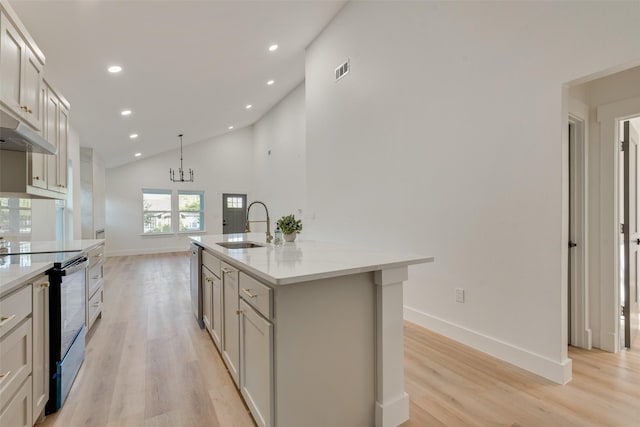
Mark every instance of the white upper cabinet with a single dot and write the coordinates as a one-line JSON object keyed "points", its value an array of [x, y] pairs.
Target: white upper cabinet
{"points": [[20, 75], [28, 97]]}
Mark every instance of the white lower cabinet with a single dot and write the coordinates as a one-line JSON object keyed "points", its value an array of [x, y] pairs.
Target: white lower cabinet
{"points": [[94, 292], [207, 290], [40, 319], [212, 308], [256, 364], [230, 336], [24, 353], [18, 411], [216, 312]]}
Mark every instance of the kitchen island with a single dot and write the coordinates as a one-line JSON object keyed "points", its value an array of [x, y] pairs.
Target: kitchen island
{"points": [[319, 327]]}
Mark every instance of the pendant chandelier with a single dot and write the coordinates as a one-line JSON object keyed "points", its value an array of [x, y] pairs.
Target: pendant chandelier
{"points": [[172, 175]]}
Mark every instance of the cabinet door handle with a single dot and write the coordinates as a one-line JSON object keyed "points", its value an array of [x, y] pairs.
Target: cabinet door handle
{"points": [[239, 312], [228, 270], [37, 178], [249, 293], [4, 376], [4, 320], [44, 285]]}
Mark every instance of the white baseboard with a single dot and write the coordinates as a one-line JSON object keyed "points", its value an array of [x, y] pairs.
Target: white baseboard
{"points": [[609, 342], [558, 372], [128, 252]]}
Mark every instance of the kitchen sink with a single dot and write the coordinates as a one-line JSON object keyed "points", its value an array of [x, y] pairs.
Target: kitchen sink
{"points": [[239, 245]]}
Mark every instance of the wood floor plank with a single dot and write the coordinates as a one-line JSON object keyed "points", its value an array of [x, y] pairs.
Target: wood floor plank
{"points": [[149, 365]]}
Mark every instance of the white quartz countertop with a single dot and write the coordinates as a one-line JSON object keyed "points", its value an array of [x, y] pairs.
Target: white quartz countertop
{"points": [[303, 260], [17, 269], [49, 246]]}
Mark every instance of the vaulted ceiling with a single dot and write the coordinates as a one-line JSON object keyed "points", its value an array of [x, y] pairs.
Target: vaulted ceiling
{"points": [[188, 67]]}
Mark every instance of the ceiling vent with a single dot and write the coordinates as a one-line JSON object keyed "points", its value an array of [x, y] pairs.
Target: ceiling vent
{"points": [[342, 70]]}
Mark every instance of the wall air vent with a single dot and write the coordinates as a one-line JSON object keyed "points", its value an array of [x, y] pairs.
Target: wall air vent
{"points": [[342, 70]]}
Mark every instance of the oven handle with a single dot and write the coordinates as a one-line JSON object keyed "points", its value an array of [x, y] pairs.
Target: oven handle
{"points": [[81, 264]]}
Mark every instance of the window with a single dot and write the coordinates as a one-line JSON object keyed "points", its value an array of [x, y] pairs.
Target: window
{"points": [[156, 208], [191, 210], [164, 213], [234, 202], [15, 215]]}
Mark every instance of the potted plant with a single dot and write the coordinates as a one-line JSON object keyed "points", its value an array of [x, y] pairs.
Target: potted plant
{"points": [[290, 226]]}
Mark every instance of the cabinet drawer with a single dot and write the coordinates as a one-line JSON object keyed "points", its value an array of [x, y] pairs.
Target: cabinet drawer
{"points": [[15, 361], [211, 262], [14, 308], [94, 279], [18, 411], [95, 306], [96, 256], [256, 294]]}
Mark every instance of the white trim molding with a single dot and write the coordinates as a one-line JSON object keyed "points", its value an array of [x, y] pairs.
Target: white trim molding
{"points": [[157, 250], [556, 371], [579, 331], [392, 402]]}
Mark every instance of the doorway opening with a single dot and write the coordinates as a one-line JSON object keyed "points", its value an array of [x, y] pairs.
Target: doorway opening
{"points": [[234, 213], [630, 242]]}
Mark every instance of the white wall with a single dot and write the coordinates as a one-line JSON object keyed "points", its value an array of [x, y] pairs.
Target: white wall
{"points": [[280, 160], [92, 181], [74, 214], [449, 139], [43, 219], [99, 192], [221, 165]]}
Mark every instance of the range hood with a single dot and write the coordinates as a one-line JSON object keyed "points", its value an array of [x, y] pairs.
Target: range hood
{"points": [[17, 136]]}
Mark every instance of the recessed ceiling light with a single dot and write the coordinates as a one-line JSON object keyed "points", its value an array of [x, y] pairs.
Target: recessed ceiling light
{"points": [[138, 154], [248, 106], [125, 112], [114, 69], [133, 136], [270, 82], [273, 48], [230, 127]]}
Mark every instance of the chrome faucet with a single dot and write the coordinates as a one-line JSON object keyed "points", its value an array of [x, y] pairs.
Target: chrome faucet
{"points": [[268, 221]]}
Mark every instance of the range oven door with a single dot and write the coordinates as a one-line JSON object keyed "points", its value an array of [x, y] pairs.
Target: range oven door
{"points": [[67, 303], [72, 303]]}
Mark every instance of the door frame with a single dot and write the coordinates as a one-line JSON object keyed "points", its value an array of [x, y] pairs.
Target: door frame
{"points": [[608, 118], [579, 325]]}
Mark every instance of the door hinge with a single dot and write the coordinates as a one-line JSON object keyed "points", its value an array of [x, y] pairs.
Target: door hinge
{"points": [[622, 228], [621, 145]]}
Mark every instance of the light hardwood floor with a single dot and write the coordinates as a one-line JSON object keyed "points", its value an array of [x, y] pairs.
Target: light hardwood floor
{"points": [[148, 364]]}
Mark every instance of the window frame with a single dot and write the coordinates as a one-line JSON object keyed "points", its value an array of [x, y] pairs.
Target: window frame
{"points": [[145, 212], [201, 211], [174, 212]]}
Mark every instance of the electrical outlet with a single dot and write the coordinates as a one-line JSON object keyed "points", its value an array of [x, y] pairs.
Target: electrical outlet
{"points": [[460, 295]]}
